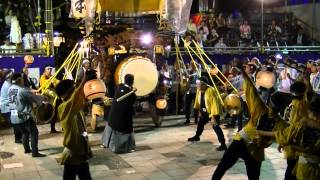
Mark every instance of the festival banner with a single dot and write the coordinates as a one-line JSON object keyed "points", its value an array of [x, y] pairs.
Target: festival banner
{"points": [[130, 6]]}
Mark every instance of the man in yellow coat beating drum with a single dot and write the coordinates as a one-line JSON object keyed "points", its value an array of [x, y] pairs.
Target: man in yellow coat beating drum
{"points": [[209, 108]]}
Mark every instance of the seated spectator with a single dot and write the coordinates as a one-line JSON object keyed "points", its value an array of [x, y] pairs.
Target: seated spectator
{"points": [[8, 17], [202, 33], [199, 39], [221, 25], [220, 46], [7, 47], [300, 39], [220, 21], [212, 38], [191, 27], [245, 31], [204, 28], [274, 32]]}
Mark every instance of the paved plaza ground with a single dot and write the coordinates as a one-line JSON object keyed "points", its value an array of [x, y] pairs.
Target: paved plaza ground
{"points": [[162, 154]]}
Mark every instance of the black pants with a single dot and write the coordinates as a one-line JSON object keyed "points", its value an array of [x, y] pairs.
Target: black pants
{"points": [[188, 106], [238, 149], [71, 171], [16, 130], [28, 129], [203, 121], [290, 166], [237, 118]]}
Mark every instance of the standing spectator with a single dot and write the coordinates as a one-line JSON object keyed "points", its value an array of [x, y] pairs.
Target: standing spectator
{"points": [[191, 27], [245, 32]]}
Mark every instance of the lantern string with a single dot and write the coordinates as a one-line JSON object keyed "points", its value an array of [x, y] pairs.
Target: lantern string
{"points": [[191, 57], [203, 52], [207, 69], [199, 55], [68, 59]]}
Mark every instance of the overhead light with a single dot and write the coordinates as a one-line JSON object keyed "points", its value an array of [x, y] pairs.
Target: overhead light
{"points": [[146, 38]]}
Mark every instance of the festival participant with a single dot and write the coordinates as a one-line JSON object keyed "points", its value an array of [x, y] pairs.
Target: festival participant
{"points": [[237, 82], [246, 144], [76, 144], [303, 137], [118, 134], [209, 108], [27, 80], [298, 110], [4, 104], [43, 80], [21, 102], [46, 75], [191, 95], [83, 69]]}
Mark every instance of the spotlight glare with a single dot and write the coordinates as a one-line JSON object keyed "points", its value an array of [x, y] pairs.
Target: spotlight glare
{"points": [[146, 38], [168, 48], [278, 56]]}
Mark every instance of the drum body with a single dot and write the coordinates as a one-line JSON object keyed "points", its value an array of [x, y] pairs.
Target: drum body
{"points": [[144, 71]]}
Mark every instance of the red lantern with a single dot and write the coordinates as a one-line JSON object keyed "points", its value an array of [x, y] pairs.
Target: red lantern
{"points": [[161, 103], [94, 89], [28, 59]]}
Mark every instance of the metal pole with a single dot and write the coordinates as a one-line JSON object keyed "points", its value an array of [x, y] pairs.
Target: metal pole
{"points": [[49, 27], [262, 33], [313, 19], [39, 21]]}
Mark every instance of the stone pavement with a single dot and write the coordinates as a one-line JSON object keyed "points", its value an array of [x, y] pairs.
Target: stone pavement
{"points": [[162, 154]]}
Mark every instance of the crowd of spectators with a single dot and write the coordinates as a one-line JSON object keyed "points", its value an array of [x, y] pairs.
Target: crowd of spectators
{"points": [[235, 30]]}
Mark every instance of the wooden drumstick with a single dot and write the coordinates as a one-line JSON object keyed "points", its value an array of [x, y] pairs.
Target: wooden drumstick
{"points": [[126, 95]]}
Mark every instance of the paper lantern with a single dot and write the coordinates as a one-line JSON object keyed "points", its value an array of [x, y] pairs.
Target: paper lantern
{"points": [[28, 59], [214, 71], [161, 103], [232, 104], [94, 89], [265, 79]]}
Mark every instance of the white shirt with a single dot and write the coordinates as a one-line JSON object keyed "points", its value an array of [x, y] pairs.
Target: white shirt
{"points": [[8, 49], [285, 82]]}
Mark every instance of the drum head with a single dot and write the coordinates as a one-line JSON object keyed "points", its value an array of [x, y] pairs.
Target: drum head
{"points": [[144, 71]]}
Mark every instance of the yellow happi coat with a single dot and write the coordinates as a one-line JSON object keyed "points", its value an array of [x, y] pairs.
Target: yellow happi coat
{"points": [[304, 170], [212, 102], [298, 111], [257, 109]]}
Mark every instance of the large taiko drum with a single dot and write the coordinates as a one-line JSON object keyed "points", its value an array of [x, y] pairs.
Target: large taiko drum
{"points": [[144, 71]]}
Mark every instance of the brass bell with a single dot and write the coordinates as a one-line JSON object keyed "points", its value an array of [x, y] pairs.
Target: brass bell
{"points": [[232, 104], [107, 101]]}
